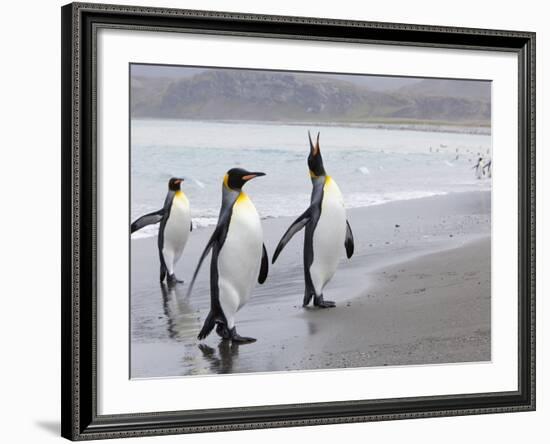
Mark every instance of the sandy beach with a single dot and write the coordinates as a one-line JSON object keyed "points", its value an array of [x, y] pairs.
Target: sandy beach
{"points": [[417, 291]]}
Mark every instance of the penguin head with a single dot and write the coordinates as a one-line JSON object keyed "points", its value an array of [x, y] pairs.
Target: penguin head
{"points": [[174, 184], [315, 160], [235, 178]]}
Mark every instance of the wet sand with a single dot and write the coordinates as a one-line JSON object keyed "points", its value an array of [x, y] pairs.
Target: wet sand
{"points": [[417, 291]]}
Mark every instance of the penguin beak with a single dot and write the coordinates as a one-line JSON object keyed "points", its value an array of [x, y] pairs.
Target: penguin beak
{"points": [[314, 148], [179, 180], [252, 176]]}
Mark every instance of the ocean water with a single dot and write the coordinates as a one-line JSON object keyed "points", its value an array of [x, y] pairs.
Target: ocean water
{"points": [[372, 166]]}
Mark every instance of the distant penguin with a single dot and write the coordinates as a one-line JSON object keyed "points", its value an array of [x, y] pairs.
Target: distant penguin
{"points": [[326, 231], [239, 257], [488, 166], [175, 226], [478, 167]]}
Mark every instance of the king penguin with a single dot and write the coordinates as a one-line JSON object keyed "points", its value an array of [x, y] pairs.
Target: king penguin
{"points": [[175, 226], [488, 166], [327, 230], [478, 167], [239, 257]]}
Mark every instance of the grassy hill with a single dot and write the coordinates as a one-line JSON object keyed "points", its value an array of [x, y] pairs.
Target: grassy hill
{"points": [[228, 94]]}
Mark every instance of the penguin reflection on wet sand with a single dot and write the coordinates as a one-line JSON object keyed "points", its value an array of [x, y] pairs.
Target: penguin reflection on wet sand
{"points": [[222, 362], [181, 315], [239, 257], [327, 231], [175, 226]]}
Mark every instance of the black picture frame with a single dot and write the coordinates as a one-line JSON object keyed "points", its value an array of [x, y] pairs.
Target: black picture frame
{"points": [[80, 22]]}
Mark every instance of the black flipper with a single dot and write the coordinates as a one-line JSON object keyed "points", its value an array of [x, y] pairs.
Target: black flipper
{"points": [[296, 226], [208, 326], [215, 243], [148, 219], [218, 236], [349, 241], [191, 226], [264, 267]]}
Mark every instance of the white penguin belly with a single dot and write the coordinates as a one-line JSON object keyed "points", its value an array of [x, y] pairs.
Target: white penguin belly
{"points": [[240, 258], [328, 237], [176, 230]]}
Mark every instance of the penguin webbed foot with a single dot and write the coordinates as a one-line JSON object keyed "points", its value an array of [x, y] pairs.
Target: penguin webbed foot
{"points": [[231, 335], [235, 337], [173, 280], [319, 301]]}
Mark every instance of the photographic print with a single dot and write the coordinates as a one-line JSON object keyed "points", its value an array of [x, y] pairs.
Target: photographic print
{"points": [[297, 221], [275, 221]]}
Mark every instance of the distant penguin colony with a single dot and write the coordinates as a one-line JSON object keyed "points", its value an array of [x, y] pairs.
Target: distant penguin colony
{"points": [[239, 256], [175, 226]]}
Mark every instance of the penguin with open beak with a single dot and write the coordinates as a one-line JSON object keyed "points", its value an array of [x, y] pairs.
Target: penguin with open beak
{"points": [[326, 230]]}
